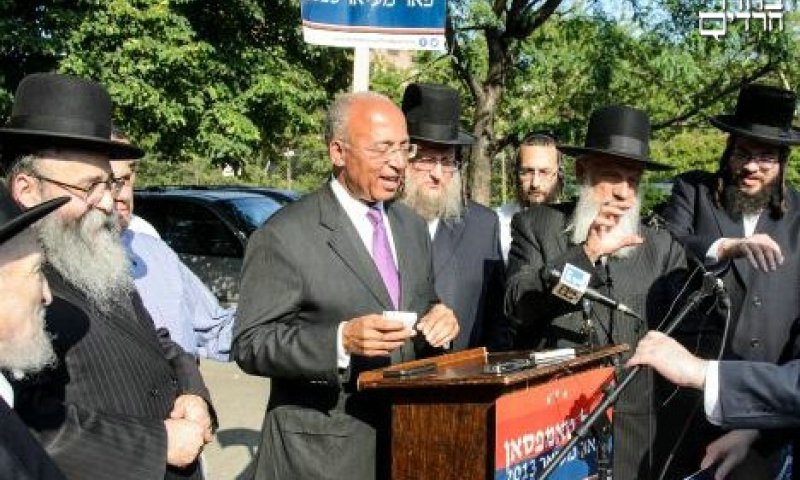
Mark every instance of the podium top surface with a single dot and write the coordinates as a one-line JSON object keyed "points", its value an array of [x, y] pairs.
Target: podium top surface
{"points": [[467, 368]]}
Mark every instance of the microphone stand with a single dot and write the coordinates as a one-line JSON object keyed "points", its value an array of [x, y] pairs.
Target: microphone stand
{"points": [[708, 287]]}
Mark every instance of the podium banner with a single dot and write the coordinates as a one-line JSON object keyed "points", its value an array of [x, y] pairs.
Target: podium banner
{"points": [[531, 423], [386, 24]]}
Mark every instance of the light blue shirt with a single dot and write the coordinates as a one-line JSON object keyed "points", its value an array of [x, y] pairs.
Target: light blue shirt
{"points": [[176, 299]]}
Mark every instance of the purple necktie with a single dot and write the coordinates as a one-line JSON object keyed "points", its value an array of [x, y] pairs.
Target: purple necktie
{"points": [[382, 255]]}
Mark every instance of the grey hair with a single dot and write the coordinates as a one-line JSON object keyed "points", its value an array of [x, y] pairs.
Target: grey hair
{"points": [[336, 118], [24, 164]]}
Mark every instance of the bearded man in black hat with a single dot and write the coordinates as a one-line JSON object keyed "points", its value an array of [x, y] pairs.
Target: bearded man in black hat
{"points": [[601, 234], [123, 401], [742, 221], [467, 263]]}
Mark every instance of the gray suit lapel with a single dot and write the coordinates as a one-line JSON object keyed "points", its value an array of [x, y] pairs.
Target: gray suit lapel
{"points": [[347, 245]]}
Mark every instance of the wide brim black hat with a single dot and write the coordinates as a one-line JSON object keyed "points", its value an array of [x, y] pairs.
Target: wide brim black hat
{"points": [[620, 132], [61, 111], [433, 113], [14, 219], [763, 113]]}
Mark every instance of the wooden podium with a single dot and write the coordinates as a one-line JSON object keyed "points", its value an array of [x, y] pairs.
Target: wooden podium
{"points": [[444, 421]]}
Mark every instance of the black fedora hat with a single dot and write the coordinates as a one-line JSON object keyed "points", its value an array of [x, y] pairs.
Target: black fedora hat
{"points": [[54, 110], [432, 114], [618, 131], [14, 219], [763, 113]]}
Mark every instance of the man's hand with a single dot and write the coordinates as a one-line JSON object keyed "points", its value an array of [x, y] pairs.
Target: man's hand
{"points": [[439, 326], [670, 359], [184, 441], [373, 335], [195, 409], [601, 240], [728, 451], [760, 249]]}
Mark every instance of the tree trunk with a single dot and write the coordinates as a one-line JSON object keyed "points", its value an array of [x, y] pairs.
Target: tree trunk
{"points": [[483, 149]]}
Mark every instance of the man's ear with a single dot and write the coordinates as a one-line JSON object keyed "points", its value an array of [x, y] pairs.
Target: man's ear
{"points": [[336, 152], [25, 190]]}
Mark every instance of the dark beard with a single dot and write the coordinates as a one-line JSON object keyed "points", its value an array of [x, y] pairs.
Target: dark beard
{"points": [[741, 203]]}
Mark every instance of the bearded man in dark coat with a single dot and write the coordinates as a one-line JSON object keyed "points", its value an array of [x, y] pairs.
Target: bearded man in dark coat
{"points": [[639, 265]]}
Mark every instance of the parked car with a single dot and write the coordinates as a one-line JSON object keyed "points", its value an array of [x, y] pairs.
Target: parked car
{"points": [[208, 228]]}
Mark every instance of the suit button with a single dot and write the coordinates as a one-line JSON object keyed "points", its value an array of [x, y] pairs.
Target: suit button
{"points": [[154, 392], [756, 300], [755, 343], [174, 382]]}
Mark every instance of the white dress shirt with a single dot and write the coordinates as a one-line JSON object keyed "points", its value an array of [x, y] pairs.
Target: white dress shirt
{"points": [[505, 213], [356, 211], [6, 392]]}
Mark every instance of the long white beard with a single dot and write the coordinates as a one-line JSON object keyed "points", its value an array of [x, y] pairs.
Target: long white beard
{"points": [[446, 205], [28, 355], [585, 212], [88, 253]]}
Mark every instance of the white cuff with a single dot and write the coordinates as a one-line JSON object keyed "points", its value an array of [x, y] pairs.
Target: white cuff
{"points": [[342, 357], [711, 393], [711, 255]]}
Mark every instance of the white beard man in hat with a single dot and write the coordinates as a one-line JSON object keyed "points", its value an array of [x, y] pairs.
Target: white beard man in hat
{"points": [[742, 221], [633, 263], [467, 263], [123, 401], [25, 346]]}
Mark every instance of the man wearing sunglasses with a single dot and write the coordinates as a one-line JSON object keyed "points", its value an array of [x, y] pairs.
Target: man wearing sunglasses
{"points": [[742, 221], [123, 400], [467, 264]]}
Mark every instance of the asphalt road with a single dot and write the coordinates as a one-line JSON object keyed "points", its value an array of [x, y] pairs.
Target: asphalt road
{"points": [[240, 400]]}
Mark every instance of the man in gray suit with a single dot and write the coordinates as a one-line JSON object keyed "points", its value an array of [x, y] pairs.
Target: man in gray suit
{"points": [[467, 266], [123, 401], [315, 281], [636, 264]]}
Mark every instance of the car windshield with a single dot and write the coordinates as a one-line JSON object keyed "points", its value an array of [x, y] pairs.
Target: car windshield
{"points": [[251, 212]]}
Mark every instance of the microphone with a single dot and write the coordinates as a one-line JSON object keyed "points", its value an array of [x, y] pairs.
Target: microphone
{"points": [[573, 284]]}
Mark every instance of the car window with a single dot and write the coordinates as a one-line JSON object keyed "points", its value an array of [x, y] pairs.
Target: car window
{"points": [[190, 228], [251, 212]]}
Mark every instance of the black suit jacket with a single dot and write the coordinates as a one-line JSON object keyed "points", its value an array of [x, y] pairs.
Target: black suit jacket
{"points": [[99, 413], [768, 303], [469, 275], [647, 281], [306, 271], [21, 456]]}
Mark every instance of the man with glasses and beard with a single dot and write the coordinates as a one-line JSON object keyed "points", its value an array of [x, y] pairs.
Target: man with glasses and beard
{"points": [[538, 170], [123, 400], [467, 265], [25, 346], [633, 263], [742, 221]]}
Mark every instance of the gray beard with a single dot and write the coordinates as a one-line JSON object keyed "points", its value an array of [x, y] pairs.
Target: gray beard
{"points": [[89, 255], [447, 206], [585, 212], [31, 354]]}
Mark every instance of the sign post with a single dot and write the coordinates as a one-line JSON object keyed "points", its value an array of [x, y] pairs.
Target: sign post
{"points": [[366, 24]]}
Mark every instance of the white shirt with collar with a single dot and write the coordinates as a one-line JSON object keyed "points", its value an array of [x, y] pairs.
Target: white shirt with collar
{"points": [[506, 213], [356, 211]]}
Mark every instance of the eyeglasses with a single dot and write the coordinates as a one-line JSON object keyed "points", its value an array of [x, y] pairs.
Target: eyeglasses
{"points": [[764, 159], [94, 192], [532, 172], [428, 162], [386, 150]]}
